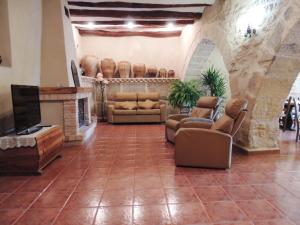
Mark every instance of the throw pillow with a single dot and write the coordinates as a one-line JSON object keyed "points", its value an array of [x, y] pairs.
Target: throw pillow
{"points": [[125, 105], [148, 104]]}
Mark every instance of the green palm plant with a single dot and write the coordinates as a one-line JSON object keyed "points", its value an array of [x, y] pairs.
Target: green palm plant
{"points": [[184, 94], [214, 81]]}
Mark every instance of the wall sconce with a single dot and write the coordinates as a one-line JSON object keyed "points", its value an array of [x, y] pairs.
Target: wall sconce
{"points": [[251, 32]]}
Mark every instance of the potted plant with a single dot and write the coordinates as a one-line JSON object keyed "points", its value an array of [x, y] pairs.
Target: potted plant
{"points": [[213, 80], [184, 94]]}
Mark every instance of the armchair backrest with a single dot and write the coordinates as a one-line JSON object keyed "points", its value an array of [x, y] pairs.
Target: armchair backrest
{"points": [[206, 107], [230, 122]]}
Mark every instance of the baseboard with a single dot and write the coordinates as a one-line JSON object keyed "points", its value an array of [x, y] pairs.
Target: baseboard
{"points": [[251, 151]]}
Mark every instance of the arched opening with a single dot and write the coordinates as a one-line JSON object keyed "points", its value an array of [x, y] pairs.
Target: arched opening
{"points": [[206, 55], [274, 91]]}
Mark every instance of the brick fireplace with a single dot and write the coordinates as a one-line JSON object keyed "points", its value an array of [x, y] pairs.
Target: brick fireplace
{"points": [[69, 107]]}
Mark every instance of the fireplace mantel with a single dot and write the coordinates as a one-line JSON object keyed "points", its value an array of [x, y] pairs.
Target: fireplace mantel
{"points": [[64, 90], [59, 105]]}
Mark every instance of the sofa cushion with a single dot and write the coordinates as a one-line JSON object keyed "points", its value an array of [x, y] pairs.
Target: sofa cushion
{"points": [[142, 96], [126, 105], [224, 124], [148, 104], [173, 124], [148, 112], [235, 106], [125, 96], [201, 113], [124, 112], [207, 102]]}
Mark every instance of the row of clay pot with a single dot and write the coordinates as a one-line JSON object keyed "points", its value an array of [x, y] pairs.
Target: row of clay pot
{"points": [[91, 65]]}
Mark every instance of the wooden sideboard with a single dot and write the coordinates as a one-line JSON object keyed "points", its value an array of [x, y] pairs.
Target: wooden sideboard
{"points": [[32, 160]]}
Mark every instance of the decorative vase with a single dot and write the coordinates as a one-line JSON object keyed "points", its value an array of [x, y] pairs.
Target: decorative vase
{"points": [[108, 68]]}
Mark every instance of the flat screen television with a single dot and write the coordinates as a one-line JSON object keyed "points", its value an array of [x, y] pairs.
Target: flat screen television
{"points": [[26, 107]]}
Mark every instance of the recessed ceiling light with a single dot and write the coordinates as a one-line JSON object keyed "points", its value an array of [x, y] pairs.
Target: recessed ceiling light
{"points": [[130, 24], [170, 25], [91, 25]]}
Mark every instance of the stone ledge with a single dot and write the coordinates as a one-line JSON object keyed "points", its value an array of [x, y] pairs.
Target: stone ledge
{"points": [[132, 80]]}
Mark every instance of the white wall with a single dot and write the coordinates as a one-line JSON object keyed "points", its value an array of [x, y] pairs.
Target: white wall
{"points": [[160, 52], [25, 34]]}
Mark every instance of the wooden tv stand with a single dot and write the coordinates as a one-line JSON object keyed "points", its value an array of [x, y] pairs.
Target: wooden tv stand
{"points": [[32, 160]]}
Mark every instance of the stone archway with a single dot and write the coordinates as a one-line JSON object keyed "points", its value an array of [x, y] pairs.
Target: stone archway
{"points": [[274, 89], [205, 55]]}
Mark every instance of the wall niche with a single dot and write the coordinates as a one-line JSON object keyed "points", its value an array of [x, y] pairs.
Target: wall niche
{"points": [[5, 48]]}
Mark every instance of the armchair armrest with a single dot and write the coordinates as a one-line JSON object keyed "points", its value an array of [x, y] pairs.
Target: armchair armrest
{"points": [[203, 148], [178, 117], [110, 110], [163, 112], [196, 123]]}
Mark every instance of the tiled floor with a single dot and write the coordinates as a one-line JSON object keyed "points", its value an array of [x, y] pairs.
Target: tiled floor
{"points": [[126, 175]]}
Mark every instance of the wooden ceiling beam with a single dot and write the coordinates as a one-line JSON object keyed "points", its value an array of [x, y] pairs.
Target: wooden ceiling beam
{"points": [[138, 22], [157, 14], [129, 33], [132, 5]]}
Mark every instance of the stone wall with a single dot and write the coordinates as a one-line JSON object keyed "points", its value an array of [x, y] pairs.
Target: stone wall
{"points": [[259, 68]]}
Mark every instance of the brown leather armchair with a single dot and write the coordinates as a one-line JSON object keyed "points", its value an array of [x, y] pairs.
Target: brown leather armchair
{"points": [[208, 144], [207, 107]]}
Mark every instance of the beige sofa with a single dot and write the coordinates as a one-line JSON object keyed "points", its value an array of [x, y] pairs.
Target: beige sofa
{"points": [[209, 145], [131, 107]]}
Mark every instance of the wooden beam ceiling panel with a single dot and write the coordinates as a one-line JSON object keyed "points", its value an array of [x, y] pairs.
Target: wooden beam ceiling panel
{"points": [[119, 4], [137, 22], [104, 33], [135, 14]]}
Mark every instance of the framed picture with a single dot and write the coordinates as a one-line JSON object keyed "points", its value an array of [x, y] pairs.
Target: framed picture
{"points": [[75, 74]]}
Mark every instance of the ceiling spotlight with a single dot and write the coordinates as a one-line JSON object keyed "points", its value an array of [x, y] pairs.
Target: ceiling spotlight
{"points": [[91, 25], [130, 24], [170, 25]]}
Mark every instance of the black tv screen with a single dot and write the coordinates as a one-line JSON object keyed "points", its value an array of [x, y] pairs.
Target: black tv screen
{"points": [[26, 107]]}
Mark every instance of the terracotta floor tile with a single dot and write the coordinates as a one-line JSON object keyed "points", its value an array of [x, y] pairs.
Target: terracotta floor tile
{"points": [[230, 179], [133, 164], [149, 196], [181, 195], [3, 196], [36, 184], [211, 193], [19, 200], [175, 181], [259, 210], [120, 183], [151, 215], [242, 192], [274, 222], [114, 216], [10, 186], [189, 213], [63, 184], [8, 216], [51, 199], [148, 182], [38, 217], [273, 191], [77, 216], [226, 211], [85, 199], [91, 184], [117, 197], [203, 180]]}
